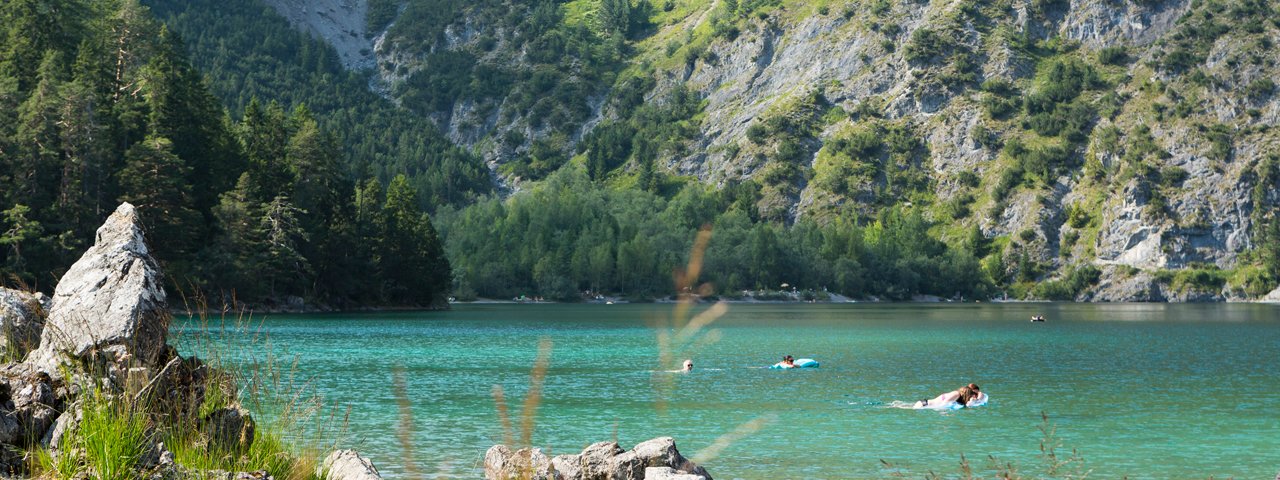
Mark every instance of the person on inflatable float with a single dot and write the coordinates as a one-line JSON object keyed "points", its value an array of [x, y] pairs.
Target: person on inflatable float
{"points": [[963, 396], [788, 361]]}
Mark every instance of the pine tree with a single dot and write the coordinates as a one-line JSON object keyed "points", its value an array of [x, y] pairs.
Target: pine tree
{"points": [[313, 162], [282, 265], [182, 110], [411, 258], [34, 28], [32, 167], [18, 230], [155, 180], [615, 16], [265, 138]]}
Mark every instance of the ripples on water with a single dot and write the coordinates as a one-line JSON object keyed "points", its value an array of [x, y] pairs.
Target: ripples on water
{"points": [[1149, 391]]}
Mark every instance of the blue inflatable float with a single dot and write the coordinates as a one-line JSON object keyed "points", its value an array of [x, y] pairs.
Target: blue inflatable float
{"points": [[799, 363]]}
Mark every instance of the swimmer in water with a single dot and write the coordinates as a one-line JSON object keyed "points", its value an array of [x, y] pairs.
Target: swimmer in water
{"points": [[963, 396], [688, 366]]}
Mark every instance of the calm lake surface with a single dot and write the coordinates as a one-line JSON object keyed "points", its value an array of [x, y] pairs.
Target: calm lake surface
{"points": [[1145, 390]]}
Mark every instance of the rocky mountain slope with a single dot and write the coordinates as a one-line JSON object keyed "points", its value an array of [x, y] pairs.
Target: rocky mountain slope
{"points": [[1129, 136]]}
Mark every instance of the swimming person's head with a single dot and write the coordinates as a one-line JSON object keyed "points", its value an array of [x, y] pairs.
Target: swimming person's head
{"points": [[966, 394], [688, 365], [974, 387]]}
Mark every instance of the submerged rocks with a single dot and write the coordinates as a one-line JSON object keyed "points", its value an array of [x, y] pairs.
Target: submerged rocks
{"points": [[110, 305], [654, 459], [348, 465]]}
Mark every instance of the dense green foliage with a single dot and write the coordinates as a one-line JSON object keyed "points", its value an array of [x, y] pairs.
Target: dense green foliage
{"points": [[541, 62], [247, 51], [263, 208], [565, 237]]}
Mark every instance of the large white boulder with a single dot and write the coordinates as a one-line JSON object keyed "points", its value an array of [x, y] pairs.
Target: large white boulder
{"points": [[109, 308]]}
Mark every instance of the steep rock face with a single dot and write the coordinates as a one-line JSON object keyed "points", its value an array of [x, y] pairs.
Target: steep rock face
{"points": [[1203, 218], [1100, 23], [341, 23], [110, 303], [1204, 111]]}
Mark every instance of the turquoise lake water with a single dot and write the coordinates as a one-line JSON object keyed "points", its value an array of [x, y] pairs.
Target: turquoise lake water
{"points": [[1144, 390]]}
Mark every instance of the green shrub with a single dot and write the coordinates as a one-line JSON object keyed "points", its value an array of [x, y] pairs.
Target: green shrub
{"points": [[757, 133], [1113, 55], [1069, 239], [1077, 216], [926, 45], [1219, 137], [1009, 179], [998, 107], [380, 14], [1195, 278], [1069, 286], [1260, 88], [1180, 60], [1172, 176]]}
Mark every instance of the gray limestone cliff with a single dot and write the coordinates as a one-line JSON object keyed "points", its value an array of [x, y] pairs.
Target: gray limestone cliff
{"points": [[1159, 176]]}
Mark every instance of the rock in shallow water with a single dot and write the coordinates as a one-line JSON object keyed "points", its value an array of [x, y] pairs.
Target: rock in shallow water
{"points": [[600, 461], [348, 465]]}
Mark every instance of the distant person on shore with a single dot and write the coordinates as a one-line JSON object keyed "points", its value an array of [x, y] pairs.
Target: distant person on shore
{"points": [[967, 395], [688, 366]]}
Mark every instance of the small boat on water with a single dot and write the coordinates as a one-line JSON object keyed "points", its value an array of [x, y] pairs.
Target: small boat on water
{"points": [[1037, 318]]}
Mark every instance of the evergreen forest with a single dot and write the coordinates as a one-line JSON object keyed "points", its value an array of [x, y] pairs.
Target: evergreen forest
{"points": [[258, 204]]}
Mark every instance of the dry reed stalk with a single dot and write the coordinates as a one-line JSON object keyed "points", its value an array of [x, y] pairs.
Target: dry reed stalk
{"points": [[686, 338], [724, 441], [404, 431], [504, 416], [531, 401]]}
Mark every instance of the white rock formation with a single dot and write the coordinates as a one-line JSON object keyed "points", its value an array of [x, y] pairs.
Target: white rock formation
{"points": [[110, 305], [348, 465]]}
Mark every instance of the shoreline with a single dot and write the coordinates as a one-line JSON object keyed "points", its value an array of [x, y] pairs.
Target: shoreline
{"points": [[834, 299]]}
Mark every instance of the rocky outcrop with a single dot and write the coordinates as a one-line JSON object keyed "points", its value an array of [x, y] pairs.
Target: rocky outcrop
{"points": [[653, 459], [106, 331], [341, 23], [230, 429], [28, 404], [1125, 284], [858, 59], [348, 465], [109, 308], [22, 316]]}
